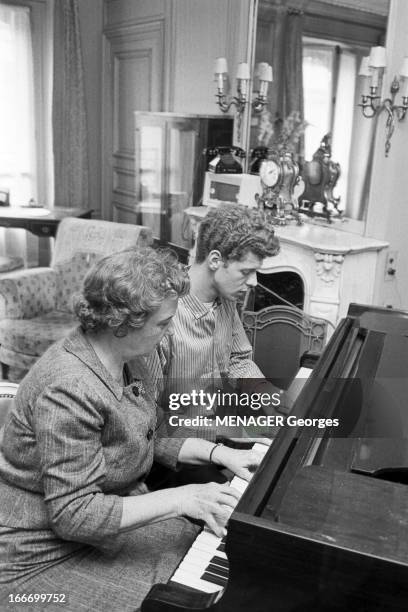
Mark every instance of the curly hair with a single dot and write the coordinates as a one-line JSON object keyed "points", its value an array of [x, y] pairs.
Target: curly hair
{"points": [[235, 231], [122, 289]]}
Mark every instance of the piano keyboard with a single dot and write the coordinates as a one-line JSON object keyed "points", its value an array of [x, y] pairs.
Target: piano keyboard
{"points": [[205, 566]]}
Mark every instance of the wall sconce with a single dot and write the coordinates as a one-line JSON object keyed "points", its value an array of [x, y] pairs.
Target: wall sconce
{"points": [[372, 68], [263, 73]]}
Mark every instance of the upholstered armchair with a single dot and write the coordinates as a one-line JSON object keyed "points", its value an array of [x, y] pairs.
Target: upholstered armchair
{"points": [[36, 306]]}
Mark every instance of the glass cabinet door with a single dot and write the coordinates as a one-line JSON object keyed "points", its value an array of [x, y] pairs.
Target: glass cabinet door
{"points": [[150, 176], [170, 169], [181, 156]]}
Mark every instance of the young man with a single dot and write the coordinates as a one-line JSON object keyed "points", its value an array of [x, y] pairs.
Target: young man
{"points": [[208, 348]]}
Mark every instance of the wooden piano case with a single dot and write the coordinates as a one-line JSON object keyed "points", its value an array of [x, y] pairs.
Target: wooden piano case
{"points": [[323, 524]]}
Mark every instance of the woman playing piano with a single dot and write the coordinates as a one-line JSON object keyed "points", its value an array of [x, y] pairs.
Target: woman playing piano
{"points": [[76, 518]]}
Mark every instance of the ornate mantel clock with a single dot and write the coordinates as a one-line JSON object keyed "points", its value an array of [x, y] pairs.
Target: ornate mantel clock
{"points": [[279, 174], [320, 176]]}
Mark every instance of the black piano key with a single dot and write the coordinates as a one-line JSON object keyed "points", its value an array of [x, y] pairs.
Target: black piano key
{"points": [[217, 570], [220, 561], [214, 579], [221, 547]]}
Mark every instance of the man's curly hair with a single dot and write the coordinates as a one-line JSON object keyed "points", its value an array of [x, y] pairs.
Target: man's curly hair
{"points": [[122, 289], [235, 231]]}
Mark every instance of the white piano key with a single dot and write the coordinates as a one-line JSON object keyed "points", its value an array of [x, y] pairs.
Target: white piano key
{"points": [[260, 448], [304, 372], [204, 549], [195, 583], [195, 566], [198, 558], [239, 484], [209, 538]]}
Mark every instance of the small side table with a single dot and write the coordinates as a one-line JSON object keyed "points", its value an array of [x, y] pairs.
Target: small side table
{"points": [[41, 222]]}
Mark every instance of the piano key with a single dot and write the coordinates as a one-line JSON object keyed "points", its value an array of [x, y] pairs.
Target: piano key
{"points": [[217, 570], [205, 566], [208, 537], [207, 548], [221, 548], [208, 577], [192, 560], [239, 484], [220, 561], [261, 448], [195, 583], [197, 558]]}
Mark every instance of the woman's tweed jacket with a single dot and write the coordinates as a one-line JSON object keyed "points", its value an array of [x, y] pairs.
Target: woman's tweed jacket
{"points": [[74, 444]]}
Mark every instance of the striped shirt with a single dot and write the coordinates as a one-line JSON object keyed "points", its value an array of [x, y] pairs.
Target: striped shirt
{"points": [[208, 347]]}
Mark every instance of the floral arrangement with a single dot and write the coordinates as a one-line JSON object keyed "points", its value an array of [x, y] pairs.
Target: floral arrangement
{"points": [[281, 135]]}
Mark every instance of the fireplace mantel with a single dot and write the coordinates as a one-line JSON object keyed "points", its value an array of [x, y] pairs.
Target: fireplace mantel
{"points": [[336, 267]]}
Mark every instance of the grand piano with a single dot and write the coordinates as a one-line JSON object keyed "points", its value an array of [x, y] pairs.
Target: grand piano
{"points": [[323, 524]]}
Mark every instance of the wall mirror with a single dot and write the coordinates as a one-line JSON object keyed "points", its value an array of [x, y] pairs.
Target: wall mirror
{"points": [[315, 48]]}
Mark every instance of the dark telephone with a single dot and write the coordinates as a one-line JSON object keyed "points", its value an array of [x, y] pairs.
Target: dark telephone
{"points": [[225, 159], [257, 155]]}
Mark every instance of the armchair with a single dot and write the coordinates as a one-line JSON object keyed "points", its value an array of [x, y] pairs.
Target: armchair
{"points": [[36, 306]]}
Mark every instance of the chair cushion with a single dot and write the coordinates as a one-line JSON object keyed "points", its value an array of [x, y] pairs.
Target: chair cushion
{"points": [[69, 275], [28, 293], [7, 264], [34, 336]]}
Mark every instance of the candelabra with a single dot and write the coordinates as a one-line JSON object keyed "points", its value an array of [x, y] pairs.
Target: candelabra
{"points": [[372, 68], [263, 73]]}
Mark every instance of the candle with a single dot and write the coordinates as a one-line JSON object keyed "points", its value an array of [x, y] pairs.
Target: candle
{"points": [[374, 77], [263, 89], [404, 68], [365, 69], [220, 70]]}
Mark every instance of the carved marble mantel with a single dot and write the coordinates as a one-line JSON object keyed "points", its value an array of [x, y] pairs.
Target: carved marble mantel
{"points": [[336, 267]]}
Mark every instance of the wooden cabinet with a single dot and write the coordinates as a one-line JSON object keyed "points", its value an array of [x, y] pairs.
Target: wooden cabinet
{"points": [[170, 167]]}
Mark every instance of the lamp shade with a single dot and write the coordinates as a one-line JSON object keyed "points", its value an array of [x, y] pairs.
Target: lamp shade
{"points": [[261, 70], [269, 74], [220, 65], [243, 71], [404, 68], [365, 69], [378, 57]]}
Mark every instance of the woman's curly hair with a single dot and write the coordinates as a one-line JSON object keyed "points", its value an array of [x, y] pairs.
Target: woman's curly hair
{"points": [[122, 289], [235, 231]]}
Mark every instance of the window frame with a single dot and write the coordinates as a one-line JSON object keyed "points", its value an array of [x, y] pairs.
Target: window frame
{"points": [[41, 16]]}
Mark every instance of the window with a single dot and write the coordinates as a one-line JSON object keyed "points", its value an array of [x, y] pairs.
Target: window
{"points": [[331, 92], [17, 144], [25, 101]]}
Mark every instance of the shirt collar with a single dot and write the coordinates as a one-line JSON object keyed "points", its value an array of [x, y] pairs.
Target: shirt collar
{"points": [[196, 307], [77, 344]]}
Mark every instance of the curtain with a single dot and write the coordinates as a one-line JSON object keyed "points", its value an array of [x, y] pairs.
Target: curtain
{"points": [[17, 110], [69, 111], [18, 160], [286, 56], [290, 92], [360, 158]]}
